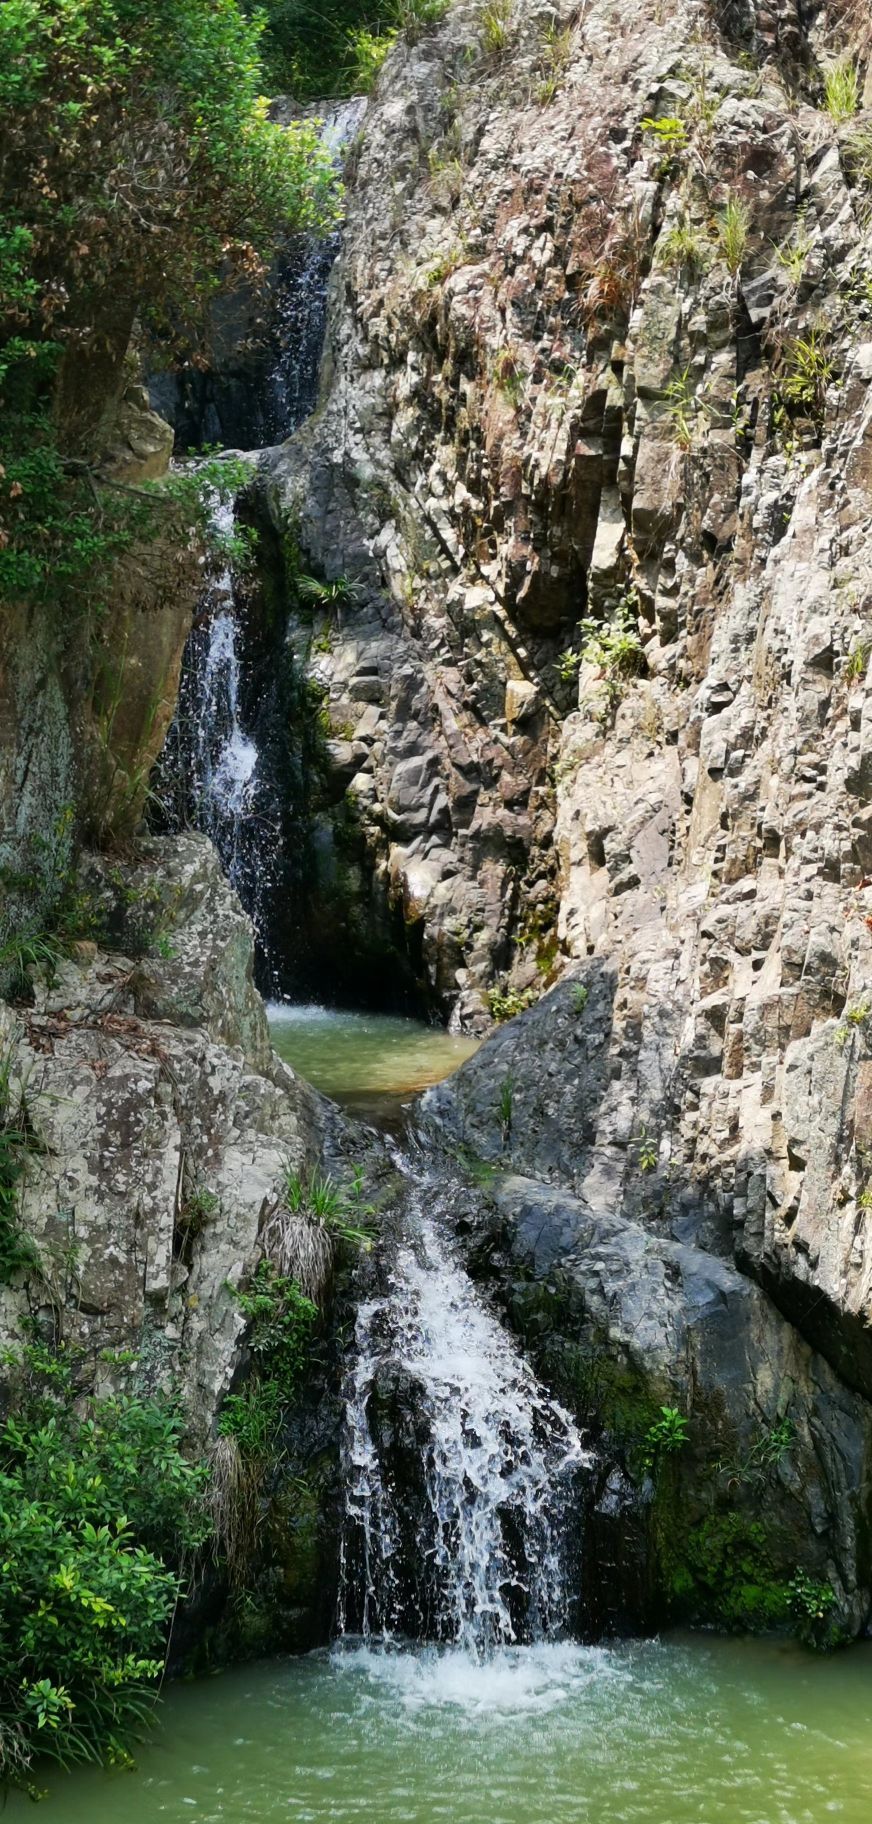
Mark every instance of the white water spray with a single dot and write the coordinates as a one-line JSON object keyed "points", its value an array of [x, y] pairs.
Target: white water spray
{"points": [[491, 1559]]}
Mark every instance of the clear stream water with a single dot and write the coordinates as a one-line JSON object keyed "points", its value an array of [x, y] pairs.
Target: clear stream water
{"points": [[370, 1062], [680, 1732]]}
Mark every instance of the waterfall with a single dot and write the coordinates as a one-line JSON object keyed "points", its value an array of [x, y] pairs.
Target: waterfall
{"points": [[292, 386], [215, 774], [210, 775], [465, 1531]]}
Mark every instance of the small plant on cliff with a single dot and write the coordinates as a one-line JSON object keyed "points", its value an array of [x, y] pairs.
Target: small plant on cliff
{"points": [[808, 370], [670, 133], [667, 129], [732, 226], [668, 1435], [556, 58], [757, 1464], [685, 245], [580, 997], [508, 375], [682, 409], [415, 17], [614, 645], [17, 1140], [853, 1018], [793, 254], [857, 662], [812, 1602], [647, 1154], [842, 90], [496, 26], [507, 1003]]}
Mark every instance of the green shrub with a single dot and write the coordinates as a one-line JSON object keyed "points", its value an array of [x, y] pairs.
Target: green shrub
{"points": [[17, 1139], [667, 1435], [367, 53], [281, 1321], [98, 1508]]}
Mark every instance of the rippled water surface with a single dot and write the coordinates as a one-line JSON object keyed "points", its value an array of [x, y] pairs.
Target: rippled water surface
{"points": [[687, 1732], [365, 1060]]}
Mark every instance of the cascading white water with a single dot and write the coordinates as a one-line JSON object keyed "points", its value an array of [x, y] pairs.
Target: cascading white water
{"points": [[292, 388], [493, 1535], [218, 772], [210, 772]]}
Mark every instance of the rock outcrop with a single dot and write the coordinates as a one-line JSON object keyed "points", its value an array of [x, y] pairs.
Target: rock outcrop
{"points": [[150, 1091]]}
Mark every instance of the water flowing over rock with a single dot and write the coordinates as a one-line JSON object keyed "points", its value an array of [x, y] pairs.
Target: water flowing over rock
{"points": [[211, 776], [461, 1473]]}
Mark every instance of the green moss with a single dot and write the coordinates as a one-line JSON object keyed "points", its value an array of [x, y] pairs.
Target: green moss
{"points": [[723, 1569]]}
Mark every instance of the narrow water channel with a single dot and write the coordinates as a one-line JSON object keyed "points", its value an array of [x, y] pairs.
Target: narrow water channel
{"points": [[680, 1732]]}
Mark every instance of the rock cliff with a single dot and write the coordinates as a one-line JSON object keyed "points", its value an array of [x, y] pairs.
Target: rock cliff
{"points": [[594, 443]]}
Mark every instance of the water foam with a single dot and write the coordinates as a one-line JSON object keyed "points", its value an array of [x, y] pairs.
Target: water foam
{"points": [[500, 1460]]}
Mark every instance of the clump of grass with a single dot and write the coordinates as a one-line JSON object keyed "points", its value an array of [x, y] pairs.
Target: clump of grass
{"points": [[496, 26], [857, 662], [508, 375], [681, 403], [793, 254], [556, 58], [807, 374], [732, 226], [685, 245], [415, 17], [842, 90], [233, 1496], [300, 1249], [23, 951], [319, 1199]]}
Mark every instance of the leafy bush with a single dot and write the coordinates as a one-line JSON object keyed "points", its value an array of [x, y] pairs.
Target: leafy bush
{"points": [[17, 1251], [139, 163], [97, 1510], [281, 1321], [666, 1436], [367, 53]]}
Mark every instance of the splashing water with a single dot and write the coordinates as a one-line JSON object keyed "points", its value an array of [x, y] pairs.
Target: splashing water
{"points": [[474, 1542], [210, 774]]}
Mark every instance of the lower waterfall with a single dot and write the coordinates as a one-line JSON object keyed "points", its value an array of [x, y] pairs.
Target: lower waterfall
{"points": [[460, 1523]]}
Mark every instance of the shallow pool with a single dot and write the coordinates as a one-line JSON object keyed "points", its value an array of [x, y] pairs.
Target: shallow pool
{"points": [[370, 1062], [698, 1731]]}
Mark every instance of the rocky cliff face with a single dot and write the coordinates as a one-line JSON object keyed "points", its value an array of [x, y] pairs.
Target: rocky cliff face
{"points": [[148, 1081], [594, 438]]}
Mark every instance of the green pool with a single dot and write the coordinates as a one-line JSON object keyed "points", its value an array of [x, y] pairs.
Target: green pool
{"points": [[684, 1732], [370, 1062]]}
